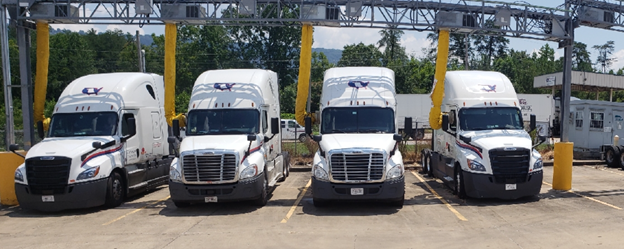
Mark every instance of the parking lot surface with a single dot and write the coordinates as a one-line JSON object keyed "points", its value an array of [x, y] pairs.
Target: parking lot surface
{"points": [[590, 215]]}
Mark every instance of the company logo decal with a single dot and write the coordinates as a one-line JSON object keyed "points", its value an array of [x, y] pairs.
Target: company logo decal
{"points": [[488, 88], [91, 90], [224, 86], [358, 84]]}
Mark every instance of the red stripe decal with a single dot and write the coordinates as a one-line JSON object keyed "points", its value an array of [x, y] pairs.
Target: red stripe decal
{"points": [[470, 147], [252, 151], [100, 154]]}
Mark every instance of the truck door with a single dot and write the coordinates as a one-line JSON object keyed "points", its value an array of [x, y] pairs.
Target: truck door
{"points": [[269, 147], [449, 146], [132, 150], [157, 147], [618, 123]]}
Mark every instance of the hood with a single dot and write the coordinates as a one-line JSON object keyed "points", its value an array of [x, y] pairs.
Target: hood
{"points": [[65, 146], [237, 143], [489, 139], [383, 142]]}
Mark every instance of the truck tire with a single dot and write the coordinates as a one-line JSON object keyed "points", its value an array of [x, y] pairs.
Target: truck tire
{"points": [[286, 165], [302, 137], [622, 161], [612, 156], [115, 191], [459, 190], [425, 161], [181, 204], [263, 199]]}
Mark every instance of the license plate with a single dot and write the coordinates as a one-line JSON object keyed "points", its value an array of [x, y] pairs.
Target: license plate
{"points": [[47, 198], [210, 199], [510, 186], [357, 191]]}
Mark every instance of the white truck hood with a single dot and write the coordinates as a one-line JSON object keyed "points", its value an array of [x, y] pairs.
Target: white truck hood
{"points": [[383, 142], [71, 147], [236, 143], [490, 139]]}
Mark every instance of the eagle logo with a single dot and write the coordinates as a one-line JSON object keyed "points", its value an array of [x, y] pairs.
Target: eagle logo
{"points": [[91, 90], [224, 86], [488, 88], [358, 84]]}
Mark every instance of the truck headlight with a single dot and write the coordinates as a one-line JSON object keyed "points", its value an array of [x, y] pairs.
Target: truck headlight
{"points": [[538, 164], [250, 171], [395, 172], [476, 166], [19, 176], [320, 173], [175, 175], [89, 173]]}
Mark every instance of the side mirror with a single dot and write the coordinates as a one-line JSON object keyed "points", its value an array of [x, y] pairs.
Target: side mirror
{"points": [[317, 138], [13, 147], [175, 125], [171, 140], [96, 144], [397, 137], [532, 121], [275, 126], [267, 139], [40, 129], [465, 139], [408, 126], [251, 137], [445, 122], [308, 126], [541, 138], [132, 126]]}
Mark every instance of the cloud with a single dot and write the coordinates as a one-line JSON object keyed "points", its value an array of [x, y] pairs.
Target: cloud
{"points": [[619, 57], [78, 27], [337, 38], [414, 43]]}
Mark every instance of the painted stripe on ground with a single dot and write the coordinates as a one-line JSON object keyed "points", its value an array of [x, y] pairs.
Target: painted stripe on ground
{"points": [[134, 211], [453, 210], [294, 206], [589, 198]]}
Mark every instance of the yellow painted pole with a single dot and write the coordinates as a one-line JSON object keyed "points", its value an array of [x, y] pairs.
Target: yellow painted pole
{"points": [[171, 36], [437, 92], [562, 170], [10, 162], [41, 77], [305, 64]]}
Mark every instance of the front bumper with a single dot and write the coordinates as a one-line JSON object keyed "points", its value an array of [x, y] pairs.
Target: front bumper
{"points": [[483, 186], [248, 189], [390, 190], [80, 195]]}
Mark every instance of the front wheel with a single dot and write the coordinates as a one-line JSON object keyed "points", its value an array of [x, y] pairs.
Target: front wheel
{"points": [[263, 199], [460, 190], [611, 157], [425, 162], [115, 191]]}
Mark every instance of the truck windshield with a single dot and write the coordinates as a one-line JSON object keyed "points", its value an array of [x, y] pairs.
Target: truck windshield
{"points": [[357, 120], [475, 119], [225, 121], [83, 124]]}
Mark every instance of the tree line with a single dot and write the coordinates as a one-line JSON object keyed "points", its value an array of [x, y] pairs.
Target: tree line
{"points": [[201, 48]]}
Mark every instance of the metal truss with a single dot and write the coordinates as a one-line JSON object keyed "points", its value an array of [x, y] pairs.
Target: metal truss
{"points": [[614, 7], [524, 21]]}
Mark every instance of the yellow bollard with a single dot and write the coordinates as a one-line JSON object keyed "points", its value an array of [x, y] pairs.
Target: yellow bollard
{"points": [[562, 171], [10, 162]]}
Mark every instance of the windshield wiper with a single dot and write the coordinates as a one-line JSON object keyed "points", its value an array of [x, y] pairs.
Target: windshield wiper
{"points": [[232, 132], [372, 131], [337, 131]]}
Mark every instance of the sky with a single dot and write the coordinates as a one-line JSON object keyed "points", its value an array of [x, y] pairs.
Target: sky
{"points": [[414, 41]]}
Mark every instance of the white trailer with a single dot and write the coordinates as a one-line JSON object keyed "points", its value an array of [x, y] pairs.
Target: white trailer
{"points": [[540, 105], [107, 140], [232, 150], [358, 156]]}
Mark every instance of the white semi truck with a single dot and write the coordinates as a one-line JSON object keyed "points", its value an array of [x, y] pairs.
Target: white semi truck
{"points": [[107, 139], [482, 149], [358, 156], [232, 150]]}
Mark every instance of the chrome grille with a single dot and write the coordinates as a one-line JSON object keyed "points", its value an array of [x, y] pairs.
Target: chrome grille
{"points": [[209, 168], [510, 166], [357, 166], [47, 175]]}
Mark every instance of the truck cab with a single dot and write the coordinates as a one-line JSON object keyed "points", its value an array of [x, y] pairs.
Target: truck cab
{"points": [[482, 149], [106, 140], [358, 156], [232, 150]]}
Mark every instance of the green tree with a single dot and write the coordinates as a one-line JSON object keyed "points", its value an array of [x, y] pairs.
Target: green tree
{"points": [[391, 42], [581, 60], [360, 55], [490, 46], [604, 59], [71, 56]]}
